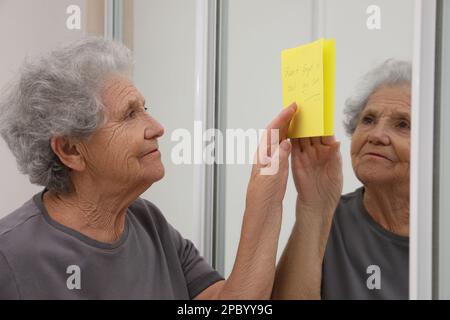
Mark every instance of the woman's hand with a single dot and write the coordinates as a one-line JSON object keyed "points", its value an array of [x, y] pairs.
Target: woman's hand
{"points": [[267, 185], [317, 169], [317, 172], [254, 268]]}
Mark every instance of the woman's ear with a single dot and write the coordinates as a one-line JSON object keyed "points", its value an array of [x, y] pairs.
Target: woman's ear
{"points": [[68, 153]]}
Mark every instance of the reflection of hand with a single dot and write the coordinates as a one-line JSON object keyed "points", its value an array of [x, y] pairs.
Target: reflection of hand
{"points": [[317, 172], [317, 169]]}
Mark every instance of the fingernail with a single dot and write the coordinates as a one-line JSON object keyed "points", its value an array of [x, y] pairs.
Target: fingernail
{"points": [[286, 145]]}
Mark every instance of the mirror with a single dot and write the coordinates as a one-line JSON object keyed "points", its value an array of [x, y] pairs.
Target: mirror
{"points": [[253, 35]]}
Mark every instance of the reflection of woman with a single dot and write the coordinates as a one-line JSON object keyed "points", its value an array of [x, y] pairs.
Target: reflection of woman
{"points": [[361, 252], [77, 126]]}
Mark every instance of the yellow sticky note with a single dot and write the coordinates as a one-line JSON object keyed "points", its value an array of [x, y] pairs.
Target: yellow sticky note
{"points": [[308, 79]]}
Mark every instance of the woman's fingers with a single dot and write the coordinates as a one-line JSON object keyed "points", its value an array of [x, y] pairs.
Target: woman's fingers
{"points": [[305, 144], [295, 142], [278, 161], [315, 141], [314, 150], [328, 140], [277, 130], [282, 154], [337, 149], [283, 118]]}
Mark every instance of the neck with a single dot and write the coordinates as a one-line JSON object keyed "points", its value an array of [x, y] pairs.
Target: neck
{"points": [[389, 206], [100, 216]]}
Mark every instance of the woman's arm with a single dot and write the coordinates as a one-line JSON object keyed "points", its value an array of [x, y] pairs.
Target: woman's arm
{"points": [[299, 271], [317, 170], [254, 268]]}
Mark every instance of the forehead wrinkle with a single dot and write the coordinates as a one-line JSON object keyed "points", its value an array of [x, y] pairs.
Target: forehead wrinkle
{"points": [[111, 87], [133, 96], [386, 113], [136, 97], [375, 106], [118, 93], [124, 92], [123, 100], [116, 82], [401, 114], [389, 100], [385, 96], [106, 93]]}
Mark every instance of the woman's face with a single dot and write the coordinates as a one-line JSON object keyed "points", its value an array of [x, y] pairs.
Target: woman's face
{"points": [[124, 151], [380, 148]]}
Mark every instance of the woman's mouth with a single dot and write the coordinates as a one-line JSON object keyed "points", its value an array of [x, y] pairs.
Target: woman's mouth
{"points": [[151, 152], [377, 155]]}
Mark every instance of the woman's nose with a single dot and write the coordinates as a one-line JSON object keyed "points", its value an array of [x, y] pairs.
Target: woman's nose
{"points": [[153, 130], [378, 135]]}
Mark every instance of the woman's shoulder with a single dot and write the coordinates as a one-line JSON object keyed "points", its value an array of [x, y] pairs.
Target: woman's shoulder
{"points": [[144, 207], [19, 218], [18, 231], [354, 196], [150, 217], [349, 206], [148, 214]]}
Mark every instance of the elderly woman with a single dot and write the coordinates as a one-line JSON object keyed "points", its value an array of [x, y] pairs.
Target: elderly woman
{"points": [[354, 246], [78, 126]]}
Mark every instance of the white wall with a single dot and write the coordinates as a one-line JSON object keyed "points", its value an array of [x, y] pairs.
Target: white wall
{"points": [[26, 28], [164, 50], [256, 32]]}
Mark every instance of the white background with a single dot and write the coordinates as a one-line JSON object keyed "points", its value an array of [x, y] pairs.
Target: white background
{"points": [[27, 28]]}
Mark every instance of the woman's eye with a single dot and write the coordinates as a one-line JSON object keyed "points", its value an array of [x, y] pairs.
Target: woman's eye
{"points": [[367, 120], [403, 124], [131, 114]]}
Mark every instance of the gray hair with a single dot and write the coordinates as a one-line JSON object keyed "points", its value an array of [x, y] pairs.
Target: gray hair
{"points": [[390, 73], [57, 94]]}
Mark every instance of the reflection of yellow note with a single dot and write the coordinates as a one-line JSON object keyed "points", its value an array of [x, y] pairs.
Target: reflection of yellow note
{"points": [[308, 80]]}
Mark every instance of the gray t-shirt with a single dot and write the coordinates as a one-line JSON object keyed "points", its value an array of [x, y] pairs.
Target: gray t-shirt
{"points": [[42, 259], [362, 259]]}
